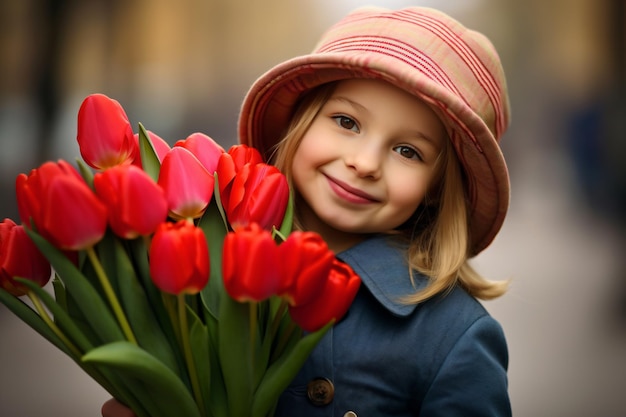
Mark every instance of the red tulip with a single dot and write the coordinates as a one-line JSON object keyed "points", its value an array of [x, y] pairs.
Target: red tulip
{"points": [[258, 193], [161, 147], [233, 161], [179, 258], [62, 206], [332, 303], [105, 136], [136, 203], [204, 148], [305, 265], [19, 257], [250, 264], [187, 184]]}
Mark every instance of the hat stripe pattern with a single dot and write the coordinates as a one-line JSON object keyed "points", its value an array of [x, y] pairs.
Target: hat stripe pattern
{"points": [[396, 49], [483, 76]]}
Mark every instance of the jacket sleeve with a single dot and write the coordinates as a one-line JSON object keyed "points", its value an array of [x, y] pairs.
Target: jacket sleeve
{"points": [[472, 380]]}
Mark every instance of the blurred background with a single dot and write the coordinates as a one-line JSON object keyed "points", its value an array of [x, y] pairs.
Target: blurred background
{"points": [[181, 67]]}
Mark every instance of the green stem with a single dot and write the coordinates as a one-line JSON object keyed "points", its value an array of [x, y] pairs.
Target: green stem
{"points": [[284, 339], [53, 326], [184, 333], [110, 294], [169, 301], [277, 319], [253, 314]]}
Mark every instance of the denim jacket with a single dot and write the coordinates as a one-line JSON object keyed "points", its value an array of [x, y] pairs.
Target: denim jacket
{"points": [[444, 357]]}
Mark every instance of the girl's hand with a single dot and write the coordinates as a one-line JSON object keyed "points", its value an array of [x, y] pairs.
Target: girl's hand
{"points": [[114, 408]]}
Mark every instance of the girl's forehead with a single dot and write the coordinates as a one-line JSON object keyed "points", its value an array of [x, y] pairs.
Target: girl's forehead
{"points": [[376, 98]]}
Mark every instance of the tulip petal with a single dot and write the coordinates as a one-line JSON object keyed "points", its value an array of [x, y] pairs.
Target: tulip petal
{"points": [[187, 184], [204, 148]]}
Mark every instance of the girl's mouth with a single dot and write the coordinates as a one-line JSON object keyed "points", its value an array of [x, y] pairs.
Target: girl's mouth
{"points": [[349, 193]]}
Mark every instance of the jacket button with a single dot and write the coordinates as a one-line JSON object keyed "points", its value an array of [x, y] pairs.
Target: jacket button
{"points": [[320, 391]]}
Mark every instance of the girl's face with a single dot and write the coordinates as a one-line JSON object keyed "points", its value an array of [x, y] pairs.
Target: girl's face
{"points": [[366, 161]]}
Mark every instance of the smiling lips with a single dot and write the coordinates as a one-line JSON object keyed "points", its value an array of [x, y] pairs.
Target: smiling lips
{"points": [[350, 194]]}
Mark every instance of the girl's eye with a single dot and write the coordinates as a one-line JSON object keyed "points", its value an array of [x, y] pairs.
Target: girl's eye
{"points": [[346, 123], [407, 152]]}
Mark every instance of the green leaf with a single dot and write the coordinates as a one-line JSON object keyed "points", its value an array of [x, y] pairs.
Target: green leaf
{"points": [[149, 159], [59, 293], [61, 318], [108, 381], [32, 319], [93, 307], [139, 313], [85, 172], [217, 197], [106, 250], [219, 402], [214, 231], [199, 340], [169, 396], [285, 227], [236, 355], [139, 253], [283, 371]]}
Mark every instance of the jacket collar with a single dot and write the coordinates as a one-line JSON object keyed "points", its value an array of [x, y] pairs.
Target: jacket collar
{"points": [[381, 263]]}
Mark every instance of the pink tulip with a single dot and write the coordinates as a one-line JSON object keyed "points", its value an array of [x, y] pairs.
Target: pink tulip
{"points": [[204, 148], [187, 184], [19, 257], [105, 136], [136, 203], [61, 205], [179, 258]]}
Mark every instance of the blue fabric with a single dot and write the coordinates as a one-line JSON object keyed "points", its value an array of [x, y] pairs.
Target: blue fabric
{"points": [[444, 357]]}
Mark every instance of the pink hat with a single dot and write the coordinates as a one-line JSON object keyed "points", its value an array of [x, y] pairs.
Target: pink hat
{"points": [[425, 52]]}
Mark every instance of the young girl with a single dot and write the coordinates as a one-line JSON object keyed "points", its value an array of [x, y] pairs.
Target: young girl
{"points": [[390, 133]]}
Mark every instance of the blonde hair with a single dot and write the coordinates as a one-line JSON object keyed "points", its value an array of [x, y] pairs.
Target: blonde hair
{"points": [[438, 233]]}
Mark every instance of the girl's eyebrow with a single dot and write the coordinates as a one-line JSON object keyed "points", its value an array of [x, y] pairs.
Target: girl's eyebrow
{"points": [[348, 101]]}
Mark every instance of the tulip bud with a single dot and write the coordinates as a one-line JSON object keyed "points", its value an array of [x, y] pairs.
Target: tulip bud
{"points": [[305, 265], [136, 203], [65, 211], [179, 258], [250, 264], [105, 136], [187, 184], [204, 148], [19, 257], [333, 301]]}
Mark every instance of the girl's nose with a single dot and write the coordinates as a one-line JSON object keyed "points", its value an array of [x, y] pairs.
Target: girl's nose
{"points": [[365, 160]]}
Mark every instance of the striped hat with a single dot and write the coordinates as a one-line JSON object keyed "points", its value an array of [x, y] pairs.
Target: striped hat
{"points": [[425, 52]]}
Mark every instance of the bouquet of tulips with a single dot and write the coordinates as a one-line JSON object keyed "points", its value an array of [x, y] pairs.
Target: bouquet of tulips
{"points": [[177, 282]]}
